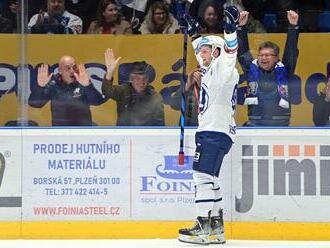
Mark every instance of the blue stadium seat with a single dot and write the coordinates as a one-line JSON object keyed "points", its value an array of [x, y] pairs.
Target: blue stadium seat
{"points": [[270, 22], [324, 21]]}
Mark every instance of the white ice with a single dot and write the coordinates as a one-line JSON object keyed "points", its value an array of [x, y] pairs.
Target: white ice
{"points": [[155, 243]]}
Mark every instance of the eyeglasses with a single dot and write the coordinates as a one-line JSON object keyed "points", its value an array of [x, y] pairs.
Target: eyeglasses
{"points": [[266, 55]]}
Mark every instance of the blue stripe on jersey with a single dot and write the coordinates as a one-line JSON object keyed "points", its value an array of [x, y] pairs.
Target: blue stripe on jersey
{"points": [[231, 44]]}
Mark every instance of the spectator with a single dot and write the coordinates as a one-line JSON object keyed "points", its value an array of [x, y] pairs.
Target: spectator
{"points": [[8, 17], [138, 104], [86, 9], [109, 20], [191, 91], [210, 14], [56, 20], [70, 92], [321, 107], [195, 5], [268, 77], [134, 12], [159, 20], [253, 25]]}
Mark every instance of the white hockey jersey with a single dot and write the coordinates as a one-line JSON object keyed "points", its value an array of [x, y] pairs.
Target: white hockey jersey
{"points": [[218, 94]]}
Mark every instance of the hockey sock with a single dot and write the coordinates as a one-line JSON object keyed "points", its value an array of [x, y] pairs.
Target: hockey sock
{"points": [[204, 193], [218, 198]]}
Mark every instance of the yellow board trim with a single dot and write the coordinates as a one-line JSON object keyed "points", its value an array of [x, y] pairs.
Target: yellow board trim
{"points": [[160, 229], [10, 230]]}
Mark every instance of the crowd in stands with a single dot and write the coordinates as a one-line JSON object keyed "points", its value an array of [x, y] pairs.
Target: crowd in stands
{"points": [[138, 104], [158, 16], [71, 92]]}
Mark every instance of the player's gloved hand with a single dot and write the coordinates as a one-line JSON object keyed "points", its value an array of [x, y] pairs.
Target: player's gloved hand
{"points": [[189, 24], [231, 19]]}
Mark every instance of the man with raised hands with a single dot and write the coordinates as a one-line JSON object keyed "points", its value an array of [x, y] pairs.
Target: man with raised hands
{"points": [[70, 92], [269, 79]]}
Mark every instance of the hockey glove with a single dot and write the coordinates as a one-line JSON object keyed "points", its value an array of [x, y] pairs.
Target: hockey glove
{"points": [[189, 24], [231, 19]]}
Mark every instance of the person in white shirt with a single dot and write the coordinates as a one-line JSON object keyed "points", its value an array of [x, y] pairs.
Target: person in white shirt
{"points": [[216, 129], [55, 21]]}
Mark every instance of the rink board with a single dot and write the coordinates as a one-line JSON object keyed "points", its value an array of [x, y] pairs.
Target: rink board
{"points": [[160, 229], [126, 183]]}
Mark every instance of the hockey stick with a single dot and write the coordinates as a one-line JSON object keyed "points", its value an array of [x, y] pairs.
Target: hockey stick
{"points": [[190, 27], [183, 97]]}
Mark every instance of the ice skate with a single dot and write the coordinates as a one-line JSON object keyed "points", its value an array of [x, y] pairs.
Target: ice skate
{"points": [[198, 234], [217, 233]]}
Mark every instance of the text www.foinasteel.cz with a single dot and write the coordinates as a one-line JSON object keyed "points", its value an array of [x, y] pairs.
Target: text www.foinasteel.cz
{"points": [[74, 210]]}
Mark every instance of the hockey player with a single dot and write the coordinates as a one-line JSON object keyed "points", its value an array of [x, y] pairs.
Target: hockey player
{"points": [[216, 129]]}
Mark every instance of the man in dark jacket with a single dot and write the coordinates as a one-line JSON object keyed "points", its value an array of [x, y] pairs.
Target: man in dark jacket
{"points": [[321, 108], [138, 104], [267, 93], [70, 92]]}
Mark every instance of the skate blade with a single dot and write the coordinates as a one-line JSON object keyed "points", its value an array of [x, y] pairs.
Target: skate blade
{"points": [[217, 239], [199, 240]]}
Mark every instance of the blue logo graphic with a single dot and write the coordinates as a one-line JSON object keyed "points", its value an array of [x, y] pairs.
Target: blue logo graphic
{"points": [[173, 170]]}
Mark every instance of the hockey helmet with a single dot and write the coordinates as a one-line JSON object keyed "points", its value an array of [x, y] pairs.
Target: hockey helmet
{"points": [[210, 40]]}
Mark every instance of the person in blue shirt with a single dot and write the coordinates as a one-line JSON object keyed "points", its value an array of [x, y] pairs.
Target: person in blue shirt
{"points": [[267, 94]]}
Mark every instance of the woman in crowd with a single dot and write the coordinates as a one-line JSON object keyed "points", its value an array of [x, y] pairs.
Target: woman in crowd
{"points": [[159, 20], [211, 15], [109, 20]]}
